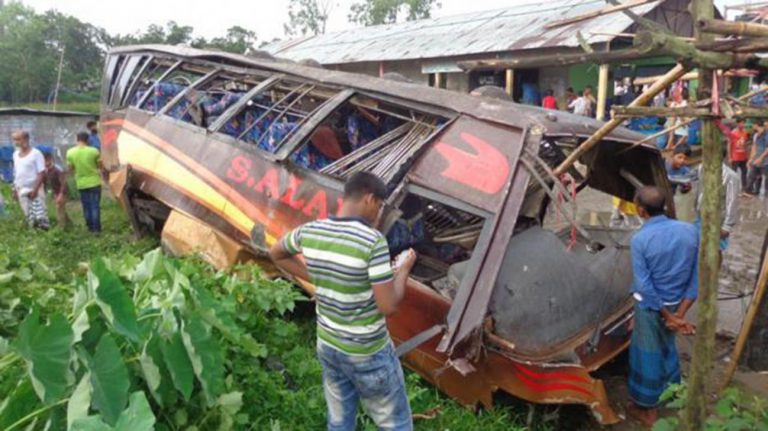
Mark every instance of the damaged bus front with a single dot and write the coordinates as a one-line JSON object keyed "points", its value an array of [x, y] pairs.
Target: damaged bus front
{"points": [[222, 154]]}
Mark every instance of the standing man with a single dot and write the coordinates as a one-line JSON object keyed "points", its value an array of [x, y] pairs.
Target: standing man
{"points": [[738, 150], [549, 101], [56, 183], [85, 162], [28, 179], [758, 160], [93, 137], [579, 105], [348, 261], [665, 285]]}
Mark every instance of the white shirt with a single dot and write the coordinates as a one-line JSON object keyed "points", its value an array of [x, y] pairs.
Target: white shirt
{"points": [[580, 106], [26, 169]]}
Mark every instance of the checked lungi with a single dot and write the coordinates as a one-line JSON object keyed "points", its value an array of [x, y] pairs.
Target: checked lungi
{"points": [[653, 359]]}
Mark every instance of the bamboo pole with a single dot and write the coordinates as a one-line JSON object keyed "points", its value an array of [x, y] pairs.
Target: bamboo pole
{"points": [[670, 77], [718, 26], [754, 306], [695, 414], [647, 111], [602, 91], [510, 82]]}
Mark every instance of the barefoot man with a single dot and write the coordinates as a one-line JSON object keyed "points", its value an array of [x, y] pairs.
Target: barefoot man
{"points": [[665, 271]]}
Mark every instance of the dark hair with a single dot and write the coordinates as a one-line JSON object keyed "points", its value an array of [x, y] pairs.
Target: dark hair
{"points": [[652, 199], [683, 149], [47, 155], [588, 87], [685, 93], [363, 183], [83, 137], [740, 120], [90, 124], [549, 92], [569, 89]]}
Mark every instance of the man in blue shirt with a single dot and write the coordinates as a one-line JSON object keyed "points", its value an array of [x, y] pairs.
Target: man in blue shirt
{"points": [[93, 134], [758, 160], [665, 285]]}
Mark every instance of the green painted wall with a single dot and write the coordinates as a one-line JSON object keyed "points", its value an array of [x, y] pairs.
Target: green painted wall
{"points": [[581, 75]]}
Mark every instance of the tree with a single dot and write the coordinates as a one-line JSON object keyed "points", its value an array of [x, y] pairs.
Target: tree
{"points": [[307, 17], [374, 12], [238, 40]]}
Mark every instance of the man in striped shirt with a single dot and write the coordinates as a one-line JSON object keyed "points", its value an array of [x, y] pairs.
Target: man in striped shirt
{"points": [[348, 262]]}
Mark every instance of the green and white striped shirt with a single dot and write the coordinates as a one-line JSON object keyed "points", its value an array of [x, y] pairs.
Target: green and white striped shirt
{"points": [[345, 257]]}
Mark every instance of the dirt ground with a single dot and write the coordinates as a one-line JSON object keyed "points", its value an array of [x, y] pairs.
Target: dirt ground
{"points": [[737, 280]]}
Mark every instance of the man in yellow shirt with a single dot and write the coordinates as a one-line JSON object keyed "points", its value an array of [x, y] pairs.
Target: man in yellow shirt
{"points": [[85, 163]]}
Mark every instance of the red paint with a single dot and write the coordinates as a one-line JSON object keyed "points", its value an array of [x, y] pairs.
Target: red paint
{"points": [[546, 387], [238, 169], [109, 138], [290, 192], [317, 207], [548, 376], [486, 171]]}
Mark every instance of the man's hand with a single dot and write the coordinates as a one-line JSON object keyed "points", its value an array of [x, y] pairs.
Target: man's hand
{"points": [[678, 324], [406, 262], [724, 234], [60, 199], [15, 195], [32, 194]]}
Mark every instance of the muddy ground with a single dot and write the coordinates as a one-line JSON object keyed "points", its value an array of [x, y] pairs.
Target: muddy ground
{"points": [[737, 280]]}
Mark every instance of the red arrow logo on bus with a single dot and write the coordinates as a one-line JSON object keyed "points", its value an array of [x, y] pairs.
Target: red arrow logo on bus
{"points": [[486, 171]]}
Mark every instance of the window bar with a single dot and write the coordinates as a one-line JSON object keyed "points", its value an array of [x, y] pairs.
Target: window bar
{"points": [[151, 90], [280, 117], [132, 87], [193, 86], [271, 108]]}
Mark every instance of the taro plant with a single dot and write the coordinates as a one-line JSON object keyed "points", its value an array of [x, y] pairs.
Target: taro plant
{"points": [[733, 411], [146, 342]]}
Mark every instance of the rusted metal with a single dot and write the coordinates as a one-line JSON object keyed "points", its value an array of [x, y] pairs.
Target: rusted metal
{"points": [[464, 181]]}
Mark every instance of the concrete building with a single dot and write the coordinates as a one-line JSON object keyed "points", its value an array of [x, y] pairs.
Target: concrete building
{"points": [[428, 51]]}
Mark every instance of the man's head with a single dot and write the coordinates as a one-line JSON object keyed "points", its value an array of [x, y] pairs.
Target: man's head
{"points": [[48, 159], [92, 126], [740, 123], [82, 138], [569, 90], [20, 139], [549, 92], [364, 195], [649, 201], [680, 155], [765, 124], [587, 90]]}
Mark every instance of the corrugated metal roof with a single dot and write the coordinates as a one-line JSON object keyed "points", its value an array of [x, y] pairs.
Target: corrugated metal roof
{"points": [[514, 28]]}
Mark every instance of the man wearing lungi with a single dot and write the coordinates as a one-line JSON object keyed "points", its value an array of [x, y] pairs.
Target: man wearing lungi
{"points": [[665, 285]]}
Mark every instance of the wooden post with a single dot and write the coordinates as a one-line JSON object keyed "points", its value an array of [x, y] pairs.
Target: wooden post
{"points": [[510, 82], [670, 77], [602, 91], [729, 28], [699, 383]]}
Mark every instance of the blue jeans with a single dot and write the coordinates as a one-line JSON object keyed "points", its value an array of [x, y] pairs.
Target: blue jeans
{"points": [[376, 381], [90, 198]]}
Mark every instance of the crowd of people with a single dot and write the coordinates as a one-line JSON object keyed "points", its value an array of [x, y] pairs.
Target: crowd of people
{"points": [[37, 178]]}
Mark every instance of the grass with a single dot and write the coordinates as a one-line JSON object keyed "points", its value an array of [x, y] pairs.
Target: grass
{"points": [[283, 392], [89, 107]]}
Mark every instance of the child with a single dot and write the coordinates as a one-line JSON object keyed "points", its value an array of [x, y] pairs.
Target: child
{"points": [[56, 183]]}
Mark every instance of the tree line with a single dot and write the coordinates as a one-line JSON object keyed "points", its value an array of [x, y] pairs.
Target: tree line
{"points": [[35, 46]]}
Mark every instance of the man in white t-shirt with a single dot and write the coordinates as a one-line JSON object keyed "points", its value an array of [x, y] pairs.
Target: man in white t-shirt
{"points": [[28, 179]]}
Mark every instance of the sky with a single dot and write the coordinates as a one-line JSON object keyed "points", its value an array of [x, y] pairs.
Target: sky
{"points": [[212, 18]]}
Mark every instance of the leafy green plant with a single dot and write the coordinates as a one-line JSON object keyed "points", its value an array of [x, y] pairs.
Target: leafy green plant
{"points": [[148, 340], [734, 411]]}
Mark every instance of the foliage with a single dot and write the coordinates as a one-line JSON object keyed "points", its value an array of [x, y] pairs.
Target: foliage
{"points": [[307, 17], [238, 40], [374, 12], [145, 325], [31, 45], [734, 411]]}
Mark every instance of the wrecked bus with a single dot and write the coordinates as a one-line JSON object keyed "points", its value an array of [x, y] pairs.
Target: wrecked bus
{"points": [[221, 154]]}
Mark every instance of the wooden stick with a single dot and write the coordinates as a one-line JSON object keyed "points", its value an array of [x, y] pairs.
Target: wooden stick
{"points": [[718, 26], [645, 111], [754, 306], [735, 45], [596, 13], [670, 77], [556, 59]]}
